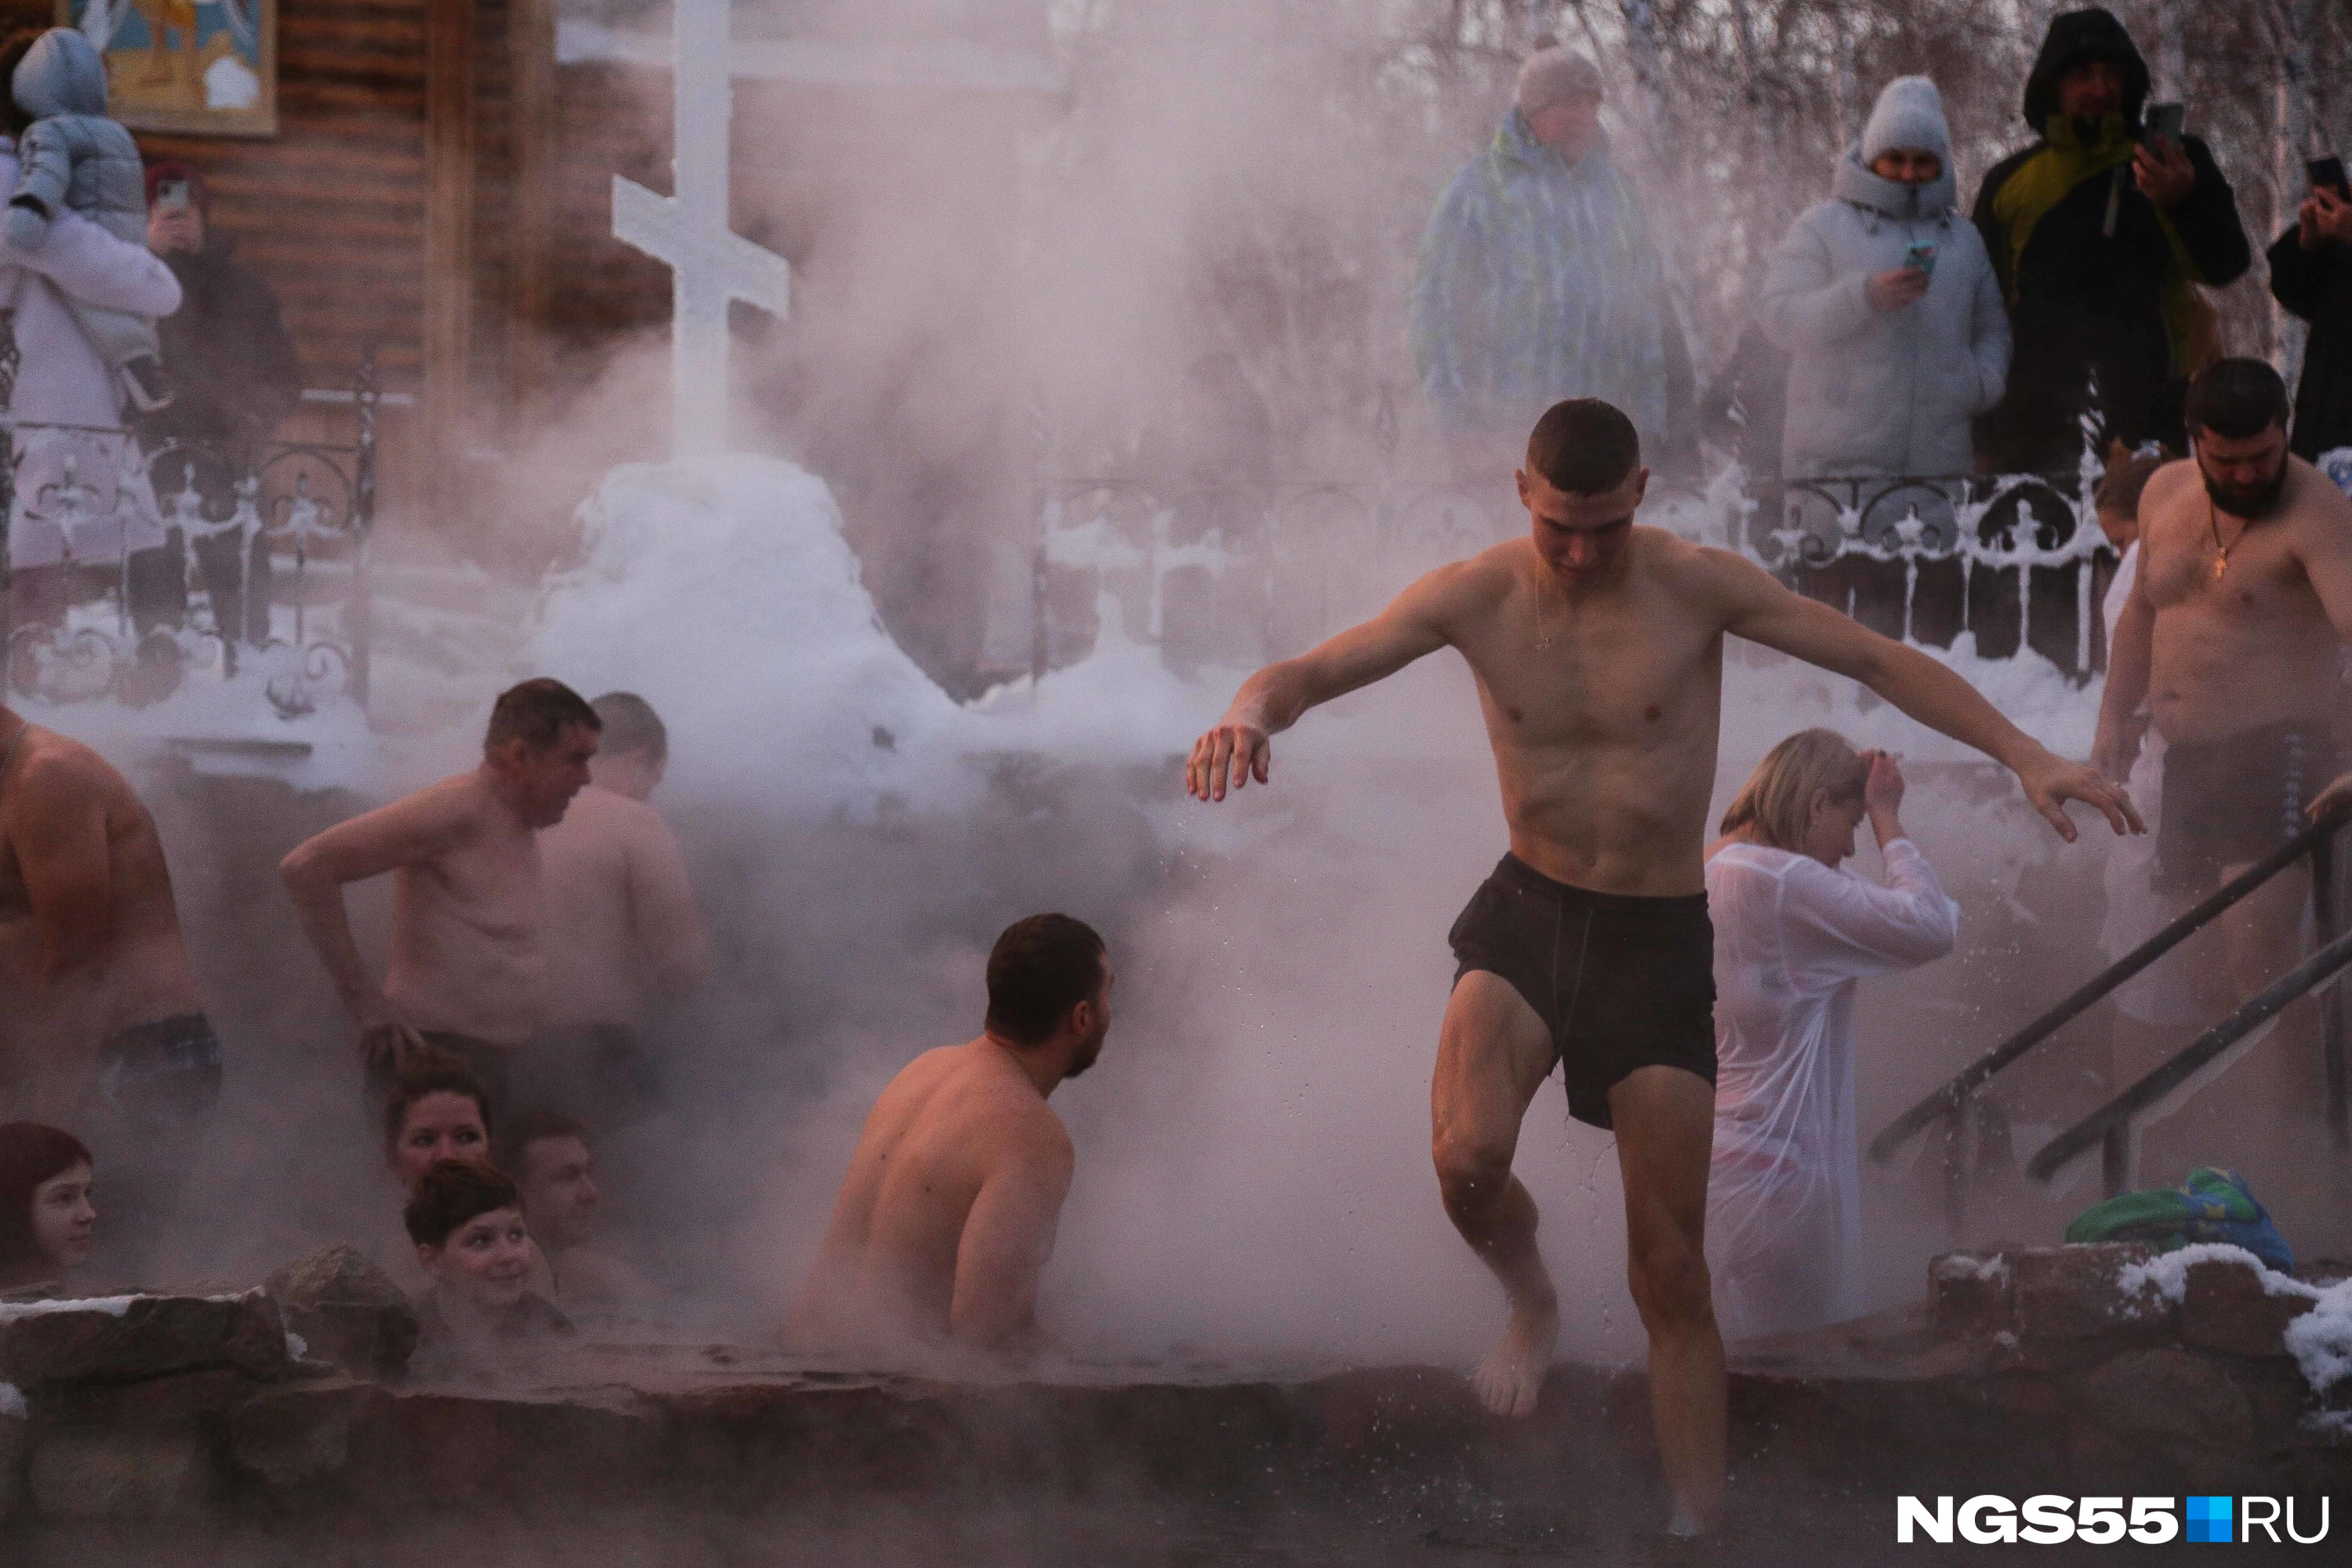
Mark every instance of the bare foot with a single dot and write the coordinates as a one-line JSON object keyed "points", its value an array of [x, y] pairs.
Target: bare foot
{"points": [[1513, 1373]]}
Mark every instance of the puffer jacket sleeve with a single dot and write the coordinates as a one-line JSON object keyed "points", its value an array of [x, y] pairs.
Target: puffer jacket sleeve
{"points": [[2207, 221], [1989, 339], [1452, 284], [44, 165], [1803, 303]]}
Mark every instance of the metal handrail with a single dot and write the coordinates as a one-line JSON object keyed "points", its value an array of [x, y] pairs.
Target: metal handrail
{"points": [[2110, 1124], [1947, 1099]]}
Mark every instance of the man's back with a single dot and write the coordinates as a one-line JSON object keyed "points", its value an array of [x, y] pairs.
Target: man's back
{"points": [[621, 922], [960, 1139], [2241, 640], [98, 871]]}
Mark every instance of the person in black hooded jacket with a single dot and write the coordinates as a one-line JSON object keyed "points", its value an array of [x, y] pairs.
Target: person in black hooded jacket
{"points": [[2099, 234], [2311, 275]]}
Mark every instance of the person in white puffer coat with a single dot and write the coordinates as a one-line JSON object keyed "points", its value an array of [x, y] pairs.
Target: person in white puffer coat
{"points": [[1889, 307]]}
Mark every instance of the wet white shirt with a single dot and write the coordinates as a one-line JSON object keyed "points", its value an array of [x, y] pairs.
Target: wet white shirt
{"points": [[1792, 937]]}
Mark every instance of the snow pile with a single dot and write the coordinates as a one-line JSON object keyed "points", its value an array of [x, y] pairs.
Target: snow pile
{"points": [[112, 1306], [11, 1403], [724, 593], [2320, 1340]]}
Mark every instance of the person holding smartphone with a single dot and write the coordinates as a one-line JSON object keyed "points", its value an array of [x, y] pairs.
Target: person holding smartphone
{"points": [[2311, 275], [1886, 303], [2102, 233]]}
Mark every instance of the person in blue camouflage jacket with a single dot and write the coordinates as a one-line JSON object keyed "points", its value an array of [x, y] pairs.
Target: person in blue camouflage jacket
{"points": [[1538, 280]]}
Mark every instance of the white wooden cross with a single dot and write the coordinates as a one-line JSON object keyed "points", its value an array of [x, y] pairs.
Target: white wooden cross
{"points": [[710, 263]]}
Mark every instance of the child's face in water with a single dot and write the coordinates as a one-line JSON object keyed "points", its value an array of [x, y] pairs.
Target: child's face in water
{"points": [[486, 1261]]}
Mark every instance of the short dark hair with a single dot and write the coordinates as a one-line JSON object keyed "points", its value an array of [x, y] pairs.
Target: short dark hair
{"points": [[537, 713], [2237, 398], [1041, 968], [453, 1193], [525, 1128], [31, 1153], [1584, 447], [631, 725], [2121, 486], [429, 1070]]}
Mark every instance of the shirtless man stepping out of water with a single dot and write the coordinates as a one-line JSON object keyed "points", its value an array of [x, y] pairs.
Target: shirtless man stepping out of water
{"points": [[2232, 634], [100, 1026], [1598, 649], [947, 1215], [468, 968]]}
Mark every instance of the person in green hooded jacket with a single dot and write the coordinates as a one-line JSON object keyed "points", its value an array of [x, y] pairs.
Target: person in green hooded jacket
{"points": [[2100, 233]]}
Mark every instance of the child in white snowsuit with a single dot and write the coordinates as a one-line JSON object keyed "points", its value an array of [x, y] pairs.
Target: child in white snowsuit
{"points": [[73, 155]]}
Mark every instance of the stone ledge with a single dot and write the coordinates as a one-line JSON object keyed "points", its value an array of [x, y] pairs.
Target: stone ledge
{"points": [[124, 1338]]}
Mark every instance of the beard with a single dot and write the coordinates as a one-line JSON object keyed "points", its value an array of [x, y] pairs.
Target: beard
{"points": [[2249, 502], [1086, 1055]]}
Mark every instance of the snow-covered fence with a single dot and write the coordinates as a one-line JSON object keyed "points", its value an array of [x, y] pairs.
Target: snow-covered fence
{"points": [[1234, 572], [124, 570]]}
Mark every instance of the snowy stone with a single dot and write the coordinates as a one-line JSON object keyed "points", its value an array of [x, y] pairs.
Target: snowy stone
{"points": [[691, 229], [140, 1336]]}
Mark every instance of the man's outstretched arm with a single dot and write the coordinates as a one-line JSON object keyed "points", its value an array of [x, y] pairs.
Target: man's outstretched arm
{"points": [[1761, 610], [1272, 700]]}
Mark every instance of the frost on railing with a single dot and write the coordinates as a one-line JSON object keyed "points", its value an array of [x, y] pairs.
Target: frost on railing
{"points": [[126, 570], [1235, 573], [2010, 559]]}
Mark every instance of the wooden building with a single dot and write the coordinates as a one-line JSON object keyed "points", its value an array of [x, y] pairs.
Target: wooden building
{"points": [[439, 192]]}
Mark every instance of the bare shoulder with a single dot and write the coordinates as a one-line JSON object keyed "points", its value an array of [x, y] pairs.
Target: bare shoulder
{"points": [[1476, 583], [1701, 574], [2323, 513], [2168, 488], [59, 763]]}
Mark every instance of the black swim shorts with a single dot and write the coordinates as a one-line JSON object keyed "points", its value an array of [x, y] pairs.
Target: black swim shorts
{"points": [[1621, 981], [2231, 802]]}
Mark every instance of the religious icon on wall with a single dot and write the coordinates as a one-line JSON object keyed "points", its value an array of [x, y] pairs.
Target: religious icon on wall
{"points": [[206, 67]]}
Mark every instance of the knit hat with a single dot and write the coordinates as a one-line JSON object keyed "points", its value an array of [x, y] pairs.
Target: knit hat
{"points": [[1554, 75], [1908, 115]]}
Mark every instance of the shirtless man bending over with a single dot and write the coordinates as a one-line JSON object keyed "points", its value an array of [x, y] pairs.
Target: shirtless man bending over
{"points": [[468, 969], [100, 1026], [1598, 649], [2231, 634], [947, 1215]]}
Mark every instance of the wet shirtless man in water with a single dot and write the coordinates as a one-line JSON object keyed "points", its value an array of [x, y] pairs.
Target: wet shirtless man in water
{"points": [[100, 1026], [1598, 649], [948, 1213], [468, 969]]}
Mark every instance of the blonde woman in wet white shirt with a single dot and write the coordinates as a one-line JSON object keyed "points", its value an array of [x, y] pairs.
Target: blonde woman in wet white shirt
{"points": [[1794, 933]]}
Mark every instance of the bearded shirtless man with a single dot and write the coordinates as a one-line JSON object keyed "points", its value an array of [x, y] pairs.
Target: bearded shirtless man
{"points": [[623, 935], [2231, 634], [947, 1215], [100, 1026], [1598, 649], [468, 968]]}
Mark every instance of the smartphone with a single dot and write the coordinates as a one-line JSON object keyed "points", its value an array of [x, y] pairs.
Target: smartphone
{"points": [[2327, 174], [2165, 122], [1922, 257], [171, 195]]}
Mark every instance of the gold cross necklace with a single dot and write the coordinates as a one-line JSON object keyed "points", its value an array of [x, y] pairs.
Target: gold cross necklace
{"points": [[2221, 551]]}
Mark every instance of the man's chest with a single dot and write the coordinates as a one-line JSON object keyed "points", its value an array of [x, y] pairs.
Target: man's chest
{"points": [[1592, 678], [2223, 568]]}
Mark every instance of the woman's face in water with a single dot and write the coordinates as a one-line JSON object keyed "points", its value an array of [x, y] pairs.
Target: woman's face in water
{"points": [[439, 1126], [486, 1261], [64, 1222], [1829, 838]]}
